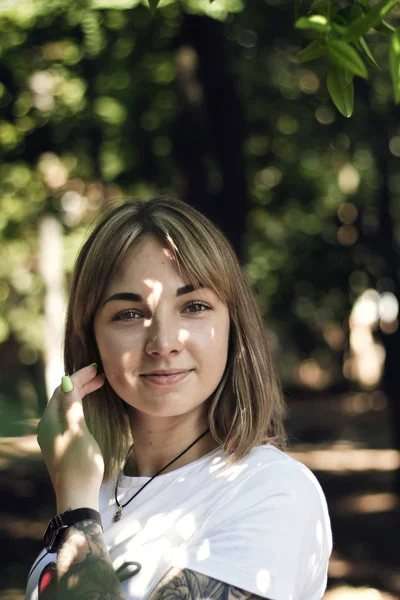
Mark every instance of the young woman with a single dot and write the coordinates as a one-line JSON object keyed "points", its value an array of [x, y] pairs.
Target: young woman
{"points": [[165, 442]]}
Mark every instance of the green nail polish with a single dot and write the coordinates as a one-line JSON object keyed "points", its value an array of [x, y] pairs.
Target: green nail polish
{"points": [[66, 384], [94, 365]]}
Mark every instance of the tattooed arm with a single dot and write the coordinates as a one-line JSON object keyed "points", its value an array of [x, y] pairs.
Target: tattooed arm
{"points": [[85, 572], [178, 584], [84, 568]]}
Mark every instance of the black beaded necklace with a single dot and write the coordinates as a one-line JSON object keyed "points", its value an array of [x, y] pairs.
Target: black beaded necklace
{"points": [[118, 514]]}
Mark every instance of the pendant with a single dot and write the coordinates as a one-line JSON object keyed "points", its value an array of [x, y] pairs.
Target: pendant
{"points": [[118, 515]]}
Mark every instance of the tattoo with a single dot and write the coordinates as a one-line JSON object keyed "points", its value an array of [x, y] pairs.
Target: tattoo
{"points": [[190, 585], [85, 571]]}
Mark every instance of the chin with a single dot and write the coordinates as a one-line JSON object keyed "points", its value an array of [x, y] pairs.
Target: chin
{"points": [[165, 408]]}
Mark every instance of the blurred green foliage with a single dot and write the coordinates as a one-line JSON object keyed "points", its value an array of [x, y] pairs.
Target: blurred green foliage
{"points": [[89, 97], [340, 31]]}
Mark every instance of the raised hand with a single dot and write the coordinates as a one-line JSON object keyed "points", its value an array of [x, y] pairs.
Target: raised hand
{"points": [[72, 455]]}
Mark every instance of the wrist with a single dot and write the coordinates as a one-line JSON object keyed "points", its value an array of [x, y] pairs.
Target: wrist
{"points": [[66, 502]]}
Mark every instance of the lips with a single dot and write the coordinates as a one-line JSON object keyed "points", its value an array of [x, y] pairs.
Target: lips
{"points": [[166, 376], [166, 372]]}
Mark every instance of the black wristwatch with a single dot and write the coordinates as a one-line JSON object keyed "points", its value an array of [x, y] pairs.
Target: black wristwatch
{"points": [[59, 524]]}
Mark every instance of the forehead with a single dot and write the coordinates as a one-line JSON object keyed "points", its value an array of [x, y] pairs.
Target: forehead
{"points": [[148, 258]]}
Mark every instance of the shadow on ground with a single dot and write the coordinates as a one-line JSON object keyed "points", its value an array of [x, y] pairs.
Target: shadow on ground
{"points": [[345, 440]]}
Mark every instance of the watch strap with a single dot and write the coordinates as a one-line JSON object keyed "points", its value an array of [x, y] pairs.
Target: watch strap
{"points": [[59, 524], [71, 517]]}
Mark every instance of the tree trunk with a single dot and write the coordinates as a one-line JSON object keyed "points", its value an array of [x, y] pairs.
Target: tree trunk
{"points": [[210, 130], [52, 271]]}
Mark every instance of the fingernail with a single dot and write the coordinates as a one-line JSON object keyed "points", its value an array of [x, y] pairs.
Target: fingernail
{"points": [[94, 365], [66, 384]]}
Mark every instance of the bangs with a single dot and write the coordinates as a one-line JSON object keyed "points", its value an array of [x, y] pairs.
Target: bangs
{"points": [[199, 266]]}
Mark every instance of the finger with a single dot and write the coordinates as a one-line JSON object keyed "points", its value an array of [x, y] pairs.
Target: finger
{"points": [[67, 386], [79, 379], [69, 394], [74, 388], [93, 385]]}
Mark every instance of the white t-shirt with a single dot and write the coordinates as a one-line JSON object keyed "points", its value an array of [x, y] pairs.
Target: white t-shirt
{"points": [[260, 524]]}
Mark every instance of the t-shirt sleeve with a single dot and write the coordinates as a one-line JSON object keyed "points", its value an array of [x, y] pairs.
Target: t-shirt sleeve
{"points": [[270, 537]]}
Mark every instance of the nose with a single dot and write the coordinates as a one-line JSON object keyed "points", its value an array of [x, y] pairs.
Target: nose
{"points": [[164, 338]]}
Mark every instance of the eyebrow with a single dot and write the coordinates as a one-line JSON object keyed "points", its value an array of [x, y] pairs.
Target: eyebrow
{"points": [[132, 297]]}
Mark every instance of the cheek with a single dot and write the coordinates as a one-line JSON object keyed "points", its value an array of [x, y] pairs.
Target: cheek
{"points": [[216, 345], [117, 353], [119, 368]]}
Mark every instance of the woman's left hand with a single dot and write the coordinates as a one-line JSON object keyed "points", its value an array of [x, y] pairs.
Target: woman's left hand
{"points": [[72, 455]]}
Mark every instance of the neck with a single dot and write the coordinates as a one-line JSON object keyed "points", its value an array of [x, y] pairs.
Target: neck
{"points": [[158, 441]]}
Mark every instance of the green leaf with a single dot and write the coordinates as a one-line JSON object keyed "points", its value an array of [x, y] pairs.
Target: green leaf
{"points": [[362, 44], [363, 24], [356, 12], [394, 64], [339, 29], [319, 7], [316, 22], [385, 27], [348, 76], [341, 92], [364, 3], [153, 5], [344, 56], [314, 50]]}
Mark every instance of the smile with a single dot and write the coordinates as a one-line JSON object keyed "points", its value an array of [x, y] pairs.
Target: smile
{"points": [[164, 379]]}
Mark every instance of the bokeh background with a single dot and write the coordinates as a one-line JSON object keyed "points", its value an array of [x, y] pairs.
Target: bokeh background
{"points": [[209, 102]]}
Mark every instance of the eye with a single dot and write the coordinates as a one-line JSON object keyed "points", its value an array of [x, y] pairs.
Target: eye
{"points": [[197, 307], [127, 315]]}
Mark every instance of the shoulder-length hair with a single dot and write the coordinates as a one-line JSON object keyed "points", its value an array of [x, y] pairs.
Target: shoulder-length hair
{"points": [[247, 407]]}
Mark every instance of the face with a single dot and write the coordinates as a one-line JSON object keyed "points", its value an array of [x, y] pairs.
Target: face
{"points": [[163, 345]]}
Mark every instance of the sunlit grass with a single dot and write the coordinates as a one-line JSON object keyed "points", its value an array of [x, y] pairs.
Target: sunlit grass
{"points": [[345, 592], [12, 594], [368, 503], [347, 459]]}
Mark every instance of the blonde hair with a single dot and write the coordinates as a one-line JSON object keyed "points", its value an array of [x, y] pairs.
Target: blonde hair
{"points": [[247, 408]]}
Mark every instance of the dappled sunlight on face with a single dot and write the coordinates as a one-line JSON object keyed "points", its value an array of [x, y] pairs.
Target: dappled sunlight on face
{"points": [[183, 335], [167, 251], [154, 297], [153, 322]]}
